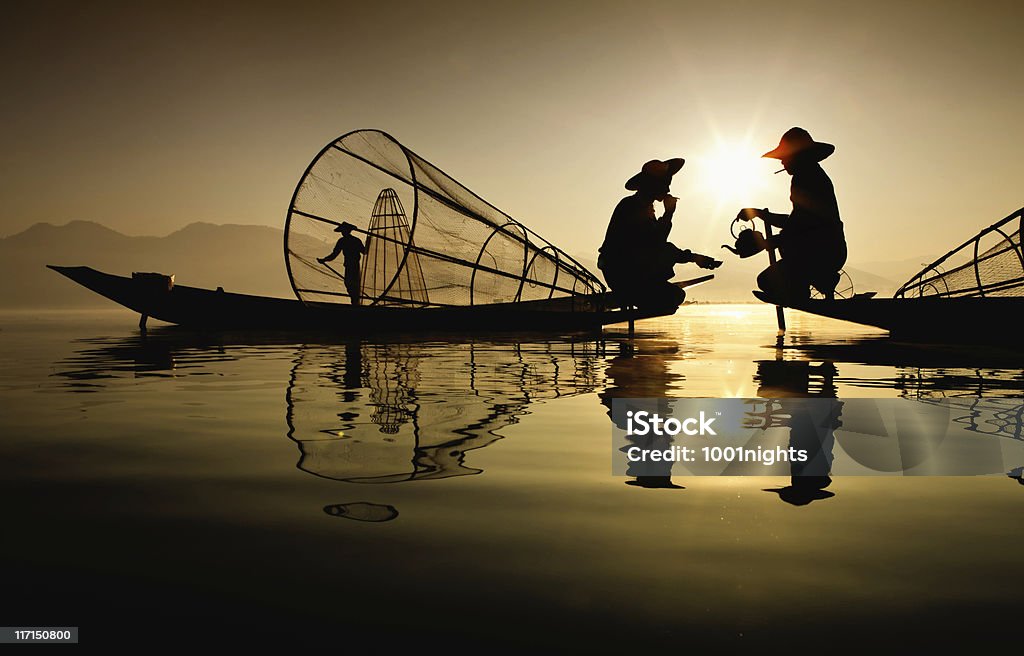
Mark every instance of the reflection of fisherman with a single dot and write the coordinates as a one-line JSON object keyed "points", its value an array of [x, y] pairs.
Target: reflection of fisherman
{"points": [[813, 417], [636, 258], [352, 248], [812, 243], [645, 380]]}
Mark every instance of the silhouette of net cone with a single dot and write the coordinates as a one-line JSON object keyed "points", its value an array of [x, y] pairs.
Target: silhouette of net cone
{"points": [[387, 261], [989, 264], [429, 240]]}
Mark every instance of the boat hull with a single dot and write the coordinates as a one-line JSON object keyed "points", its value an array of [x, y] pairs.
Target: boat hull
{"points": [[971, 319], [217, 309]]}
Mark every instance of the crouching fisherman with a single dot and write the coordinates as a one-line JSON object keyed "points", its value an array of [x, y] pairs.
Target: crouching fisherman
{"points": [[636, 258], [812, 242]]}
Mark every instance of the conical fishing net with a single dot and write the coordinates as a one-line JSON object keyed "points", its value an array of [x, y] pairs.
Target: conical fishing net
{"points": [[426, 239], [990, 264]]}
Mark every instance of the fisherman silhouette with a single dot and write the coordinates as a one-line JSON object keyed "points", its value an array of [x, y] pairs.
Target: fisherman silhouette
{"points": [[812, 243], [636, 257], [353, 249]]}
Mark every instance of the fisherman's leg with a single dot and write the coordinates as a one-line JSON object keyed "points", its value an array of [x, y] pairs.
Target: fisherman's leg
{"points": [[660, 296], [352, 286], [824, 267], [826, 283], [784, 281], [771, 281], [621, 285]]}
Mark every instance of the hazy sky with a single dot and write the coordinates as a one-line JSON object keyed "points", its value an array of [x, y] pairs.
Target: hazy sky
{"points": [[149, 118]]}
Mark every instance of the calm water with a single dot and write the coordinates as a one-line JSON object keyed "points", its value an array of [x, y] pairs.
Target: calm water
{"points": [[457, 492]]}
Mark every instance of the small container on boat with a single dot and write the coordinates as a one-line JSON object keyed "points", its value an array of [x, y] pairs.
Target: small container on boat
{"points": [[154, 282]]}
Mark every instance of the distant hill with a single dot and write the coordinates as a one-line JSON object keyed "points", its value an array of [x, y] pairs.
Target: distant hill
{"points": [[240, 258]]}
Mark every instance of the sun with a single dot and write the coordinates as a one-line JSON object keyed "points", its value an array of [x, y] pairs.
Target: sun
{"points": [[732, 174]]}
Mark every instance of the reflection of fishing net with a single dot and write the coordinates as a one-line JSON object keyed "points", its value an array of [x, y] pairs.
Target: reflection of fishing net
{"points": [[362, 511], [989, 264], [428, 239], [384, 413]]}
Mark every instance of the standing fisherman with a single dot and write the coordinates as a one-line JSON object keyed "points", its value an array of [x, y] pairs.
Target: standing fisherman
{"points": [[353, 249]]}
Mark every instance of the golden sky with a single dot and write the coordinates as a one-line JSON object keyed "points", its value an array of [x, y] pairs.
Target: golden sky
{"points": [[149, 118]]}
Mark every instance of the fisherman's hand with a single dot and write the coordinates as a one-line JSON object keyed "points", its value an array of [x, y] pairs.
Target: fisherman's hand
{"points": [[751, 213], [705, 262], [670, 203]]}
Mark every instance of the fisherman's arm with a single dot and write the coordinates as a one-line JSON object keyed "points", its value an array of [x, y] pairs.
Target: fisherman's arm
{"points": [[335, 253], [771, 218], [684, 256], [664, 222]]}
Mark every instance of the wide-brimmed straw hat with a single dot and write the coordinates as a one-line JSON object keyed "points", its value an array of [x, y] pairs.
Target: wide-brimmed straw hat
{"points": [[655, 171], [344, 227], [797, 141]]}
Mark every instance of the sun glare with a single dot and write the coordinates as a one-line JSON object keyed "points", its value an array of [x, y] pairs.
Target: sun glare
{"points": [[732, 174]]}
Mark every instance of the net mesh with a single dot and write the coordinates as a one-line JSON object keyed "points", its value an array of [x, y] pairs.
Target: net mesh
{"points": [[427, 239], [991, 264]]}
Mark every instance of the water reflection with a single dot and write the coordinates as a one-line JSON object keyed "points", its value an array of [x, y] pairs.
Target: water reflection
{"points": [[787, 385], [981, 386], [640, 371], [921, 371], [368, 412], [387, 413]]}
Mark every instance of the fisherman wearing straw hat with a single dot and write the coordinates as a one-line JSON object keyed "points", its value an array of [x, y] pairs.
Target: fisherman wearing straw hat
{"points": [[352, 248], [636, 258], [812, 242]]}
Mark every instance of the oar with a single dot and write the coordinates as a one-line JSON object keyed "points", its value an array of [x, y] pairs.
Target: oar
{"points": [[779, 314]]}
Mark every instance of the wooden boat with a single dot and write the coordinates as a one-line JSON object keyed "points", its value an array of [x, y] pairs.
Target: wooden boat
{"points": [[971, 294], [928, 318], [217, 309], [453, 262]]}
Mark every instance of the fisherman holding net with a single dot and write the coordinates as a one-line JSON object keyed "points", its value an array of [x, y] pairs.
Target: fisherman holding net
{"points": [[352, 248], [637, 259], [812, 242]]}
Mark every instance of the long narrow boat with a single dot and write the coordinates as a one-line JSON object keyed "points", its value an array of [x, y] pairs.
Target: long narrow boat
{"points": [[974, 293], [451, 262], [216, 309], [928, 318]]}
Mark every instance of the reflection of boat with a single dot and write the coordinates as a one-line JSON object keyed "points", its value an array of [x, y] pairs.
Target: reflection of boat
{"points": [[970, 294], [977, 389], [386, 413], [191, 306], [437, 257], [362, 411]]}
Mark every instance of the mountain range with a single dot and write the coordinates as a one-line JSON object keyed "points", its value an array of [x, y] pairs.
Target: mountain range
{"points": [[249, 259], [240, 258]]}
